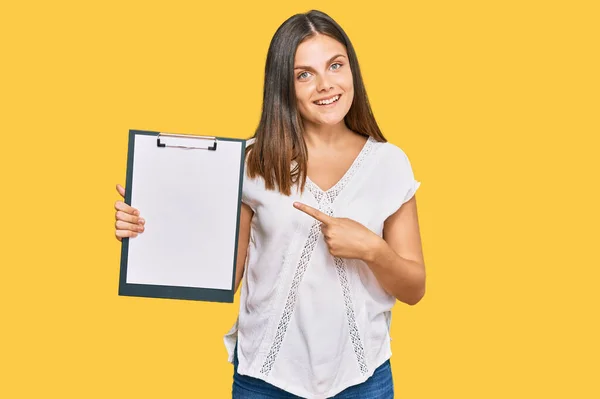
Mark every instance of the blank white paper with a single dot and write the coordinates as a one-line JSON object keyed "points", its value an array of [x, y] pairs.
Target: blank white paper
{"points": [[189, 199]]}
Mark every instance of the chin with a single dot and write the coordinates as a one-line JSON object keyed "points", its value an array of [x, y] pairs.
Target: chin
{"points": [[332, 121]]}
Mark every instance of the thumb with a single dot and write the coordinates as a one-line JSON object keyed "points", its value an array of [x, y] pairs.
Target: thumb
{"points": [[121, 190]]}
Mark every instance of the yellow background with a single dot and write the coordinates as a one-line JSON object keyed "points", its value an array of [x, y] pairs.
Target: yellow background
{"points": [[496, 104]]}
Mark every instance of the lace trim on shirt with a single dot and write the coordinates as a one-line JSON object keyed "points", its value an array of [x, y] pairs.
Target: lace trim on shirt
{"points": [[307, 251], [311, 242], [359, 350], [334, 191]]}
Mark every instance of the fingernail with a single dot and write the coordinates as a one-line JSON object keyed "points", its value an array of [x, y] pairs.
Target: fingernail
{"points": [[142, 221], [137, 213]]}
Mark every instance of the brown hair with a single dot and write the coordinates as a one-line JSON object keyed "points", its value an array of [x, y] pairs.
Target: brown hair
{"points": [[279, 135]]}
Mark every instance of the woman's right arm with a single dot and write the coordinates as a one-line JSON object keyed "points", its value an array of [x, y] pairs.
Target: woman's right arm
{"points": [[130, 224]]}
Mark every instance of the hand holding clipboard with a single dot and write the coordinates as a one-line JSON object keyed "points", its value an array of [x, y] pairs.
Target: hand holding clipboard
{"points": [[189, 190], [129, 221]]}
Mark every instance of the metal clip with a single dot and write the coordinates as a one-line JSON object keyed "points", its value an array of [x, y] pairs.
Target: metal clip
{"points": [[186, 138]]}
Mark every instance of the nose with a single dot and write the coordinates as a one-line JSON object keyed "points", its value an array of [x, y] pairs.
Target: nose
{"points": [[323, 83]]}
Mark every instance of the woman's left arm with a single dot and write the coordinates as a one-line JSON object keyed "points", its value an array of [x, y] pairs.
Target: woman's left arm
{"points": [[396, 260]]}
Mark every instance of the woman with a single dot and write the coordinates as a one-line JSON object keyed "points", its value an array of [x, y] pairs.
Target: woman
{"points": [[329, 234]]}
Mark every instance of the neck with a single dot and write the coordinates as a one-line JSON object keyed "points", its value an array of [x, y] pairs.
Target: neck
{"points": [[326, 135]]}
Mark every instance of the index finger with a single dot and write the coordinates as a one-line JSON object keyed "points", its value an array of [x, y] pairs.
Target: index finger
{"points": [[315, 213]]}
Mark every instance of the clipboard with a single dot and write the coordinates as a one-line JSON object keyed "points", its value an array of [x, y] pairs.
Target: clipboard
{"points": [[188, 188]]}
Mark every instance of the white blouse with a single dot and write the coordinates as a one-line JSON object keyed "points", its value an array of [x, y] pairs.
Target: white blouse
{"points": [[310, 323]]}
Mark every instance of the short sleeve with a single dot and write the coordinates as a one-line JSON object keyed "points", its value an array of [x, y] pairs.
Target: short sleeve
{"points": [[247, 197], [401, 181]]}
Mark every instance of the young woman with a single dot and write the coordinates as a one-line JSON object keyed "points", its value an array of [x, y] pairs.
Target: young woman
{"points": [[329, 235]]}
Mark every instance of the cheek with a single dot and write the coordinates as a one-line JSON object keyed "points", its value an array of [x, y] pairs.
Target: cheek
{"points": [[301, 104], [302, 93], [303, 101], [350, 94], [349, 89], [348, 84]]}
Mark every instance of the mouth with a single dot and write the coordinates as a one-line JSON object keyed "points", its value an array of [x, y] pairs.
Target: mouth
{"points": [[328, 101]]}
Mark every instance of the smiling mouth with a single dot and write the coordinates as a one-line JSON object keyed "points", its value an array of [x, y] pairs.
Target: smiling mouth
{"points": [[328, 101]]}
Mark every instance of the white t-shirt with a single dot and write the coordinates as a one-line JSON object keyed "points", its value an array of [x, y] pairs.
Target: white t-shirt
{"points": [[310, 323]]}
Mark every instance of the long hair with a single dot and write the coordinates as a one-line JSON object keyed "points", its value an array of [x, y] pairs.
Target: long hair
{"points": [[279, 135]]}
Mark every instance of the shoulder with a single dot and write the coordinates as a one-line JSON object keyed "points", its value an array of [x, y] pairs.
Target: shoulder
{"points": [[249, 148], [391, 155], [251, 180], [394, 164]]}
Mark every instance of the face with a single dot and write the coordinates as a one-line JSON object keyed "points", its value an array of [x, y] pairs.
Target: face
{"points": [[323, 81]]}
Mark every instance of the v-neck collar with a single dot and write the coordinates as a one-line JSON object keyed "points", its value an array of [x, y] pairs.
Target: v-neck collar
{"points": [[332, 193]]}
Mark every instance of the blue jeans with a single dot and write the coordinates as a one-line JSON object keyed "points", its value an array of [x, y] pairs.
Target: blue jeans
{"points": [[379, 386]]}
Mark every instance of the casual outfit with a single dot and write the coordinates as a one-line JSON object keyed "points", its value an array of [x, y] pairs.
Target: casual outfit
{"points": [[311, 324]]}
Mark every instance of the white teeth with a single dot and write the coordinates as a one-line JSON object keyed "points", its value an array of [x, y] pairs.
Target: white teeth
{"points": [[325, 102]]}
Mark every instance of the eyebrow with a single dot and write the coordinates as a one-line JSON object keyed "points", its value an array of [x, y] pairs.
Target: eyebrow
{"points": [[310, 68]]}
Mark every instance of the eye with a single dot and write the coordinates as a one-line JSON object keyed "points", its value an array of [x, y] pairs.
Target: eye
{"points": [[336, 63], [303, 75]]}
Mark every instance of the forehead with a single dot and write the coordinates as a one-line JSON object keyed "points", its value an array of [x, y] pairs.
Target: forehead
{"points": [[317, 50]]}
